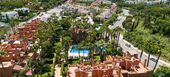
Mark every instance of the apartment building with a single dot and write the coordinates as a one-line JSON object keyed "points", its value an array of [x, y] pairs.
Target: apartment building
{"points": [[114, 66], [145, 1], [16, 48]]}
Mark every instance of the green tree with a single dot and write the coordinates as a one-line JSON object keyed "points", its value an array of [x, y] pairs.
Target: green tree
{"points": [[101, 44], [162, 71], [13, 23]]}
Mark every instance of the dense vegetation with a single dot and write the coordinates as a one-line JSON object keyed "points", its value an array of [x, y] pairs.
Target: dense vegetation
{"points": [[34, 5], [162, 72], [56, 37], [9, 5], [148, 28], [46, 4]]}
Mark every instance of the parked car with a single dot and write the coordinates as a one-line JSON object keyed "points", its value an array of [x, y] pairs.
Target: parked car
{"points": [[128, 45], [153, 59]]}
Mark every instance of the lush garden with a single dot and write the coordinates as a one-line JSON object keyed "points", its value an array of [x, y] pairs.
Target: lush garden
{"points": [[148, 29], [34, 5], [56, 37], [162, 72], [10, 5]]}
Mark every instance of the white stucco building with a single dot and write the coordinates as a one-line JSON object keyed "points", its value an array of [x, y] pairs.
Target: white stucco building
{"points": [[145, 1], [24, 9], [10, 15], [106, 2]]}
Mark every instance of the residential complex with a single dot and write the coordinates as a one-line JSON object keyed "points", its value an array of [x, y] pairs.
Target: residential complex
{"points": [[85, 38], [114, 66], [17, 49], [146, 1]]}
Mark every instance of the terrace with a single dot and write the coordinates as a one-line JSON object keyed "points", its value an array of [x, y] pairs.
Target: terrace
{"points": [[16, 49], [114, 66], [28, 29]]}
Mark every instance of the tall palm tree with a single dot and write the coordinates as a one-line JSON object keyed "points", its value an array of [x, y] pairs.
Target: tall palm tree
{"points": [[160, 52], [13, 23], [117, 31], [2, 53], [66, 43], [90, 40], [148, 48], [58, 50], [115, 35], [100, 45], [81, 45], [105, 30]]}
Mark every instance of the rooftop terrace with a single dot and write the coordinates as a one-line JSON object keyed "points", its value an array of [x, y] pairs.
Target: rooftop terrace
{"points": [[114, 66]]}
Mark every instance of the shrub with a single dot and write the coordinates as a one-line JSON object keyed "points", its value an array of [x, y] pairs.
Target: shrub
{"points": [[162, 72]]}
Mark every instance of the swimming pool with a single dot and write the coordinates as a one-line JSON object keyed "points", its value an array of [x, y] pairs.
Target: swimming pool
{"points": [[74, 52]]}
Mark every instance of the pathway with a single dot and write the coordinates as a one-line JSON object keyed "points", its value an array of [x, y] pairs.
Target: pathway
{"points": [[57, 71]]}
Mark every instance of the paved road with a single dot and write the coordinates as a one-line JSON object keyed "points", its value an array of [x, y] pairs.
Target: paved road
{"points": [[133, 50]]}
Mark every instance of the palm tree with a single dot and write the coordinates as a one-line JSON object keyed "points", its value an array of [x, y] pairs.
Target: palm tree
{"points": [[58, 50], [148, 48], [104, 30], [100, 45], [66, 43], [141, 54], [2, 53], [117, 31], [81, 45], [114, 35], [13, 23], [90, 40], [157, 60], [92, 47]]}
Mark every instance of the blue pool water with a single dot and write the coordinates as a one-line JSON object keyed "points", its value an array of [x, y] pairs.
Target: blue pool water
{"points": [[81, 51]]}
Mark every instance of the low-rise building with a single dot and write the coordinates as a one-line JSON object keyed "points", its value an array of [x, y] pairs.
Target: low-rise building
{"points": [[113, 7], [6, 69], [9, 15], [148, 2], [16, 48], [106, 2], [24, 9], [86, 0], [114, 66], [106, 14]]}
